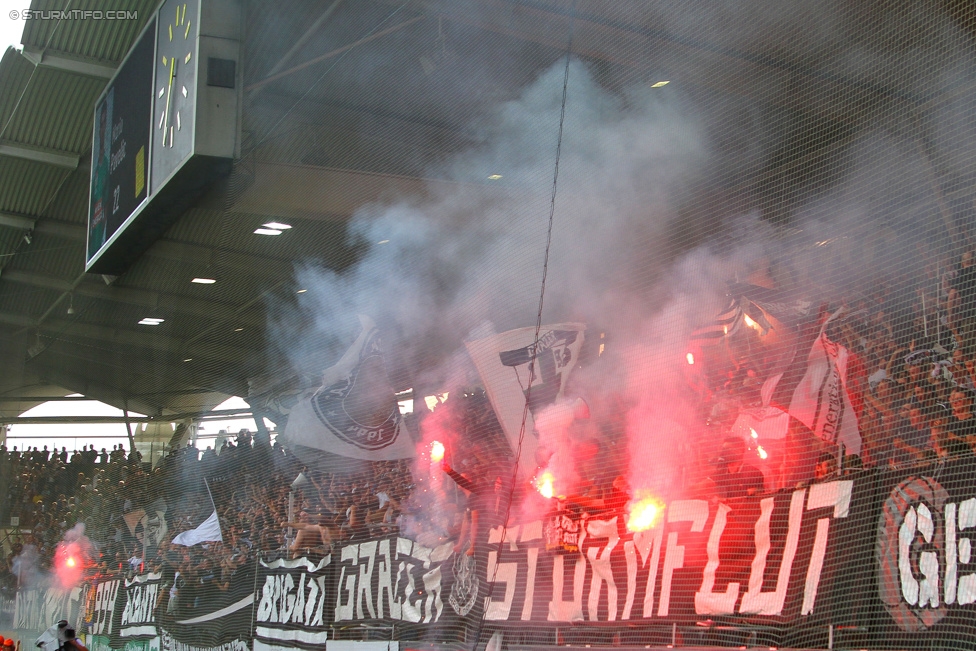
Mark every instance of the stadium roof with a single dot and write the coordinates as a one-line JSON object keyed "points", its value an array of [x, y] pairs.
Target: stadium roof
{"points": [[346, 103]]}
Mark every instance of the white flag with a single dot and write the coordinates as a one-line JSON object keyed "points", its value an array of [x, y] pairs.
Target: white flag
{"points": [[354, 413], [503, 362], [820, 400], [209, 530]]}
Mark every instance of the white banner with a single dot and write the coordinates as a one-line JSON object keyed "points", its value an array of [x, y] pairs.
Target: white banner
{"points": [[503, 361]]}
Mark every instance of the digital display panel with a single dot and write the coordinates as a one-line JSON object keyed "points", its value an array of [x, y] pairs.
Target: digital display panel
{"points": [[120, 145]]}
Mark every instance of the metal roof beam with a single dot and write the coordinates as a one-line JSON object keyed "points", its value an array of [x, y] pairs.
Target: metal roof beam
{"points": [[18, 320], [141, 376], [95, 391], [40, 155], [287, 190], [148, 341], [68, 63], [61, 229], [212, 310], [107, 420], [17, 221], [255, 265], [37, 280], [145, 340]]}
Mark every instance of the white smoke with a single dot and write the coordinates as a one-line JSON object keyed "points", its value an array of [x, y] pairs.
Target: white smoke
{"points": [[654, 214]]}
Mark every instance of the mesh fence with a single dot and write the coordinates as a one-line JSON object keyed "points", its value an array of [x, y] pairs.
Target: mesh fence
{"points": [[684, 298]]}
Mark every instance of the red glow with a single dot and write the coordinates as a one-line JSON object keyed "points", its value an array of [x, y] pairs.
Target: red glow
{"points": [[642, 513], [436, 451], [544, 484], [69, 562]]}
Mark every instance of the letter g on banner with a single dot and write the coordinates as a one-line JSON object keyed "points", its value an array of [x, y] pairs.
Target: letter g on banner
{"points": [[910, 552]]}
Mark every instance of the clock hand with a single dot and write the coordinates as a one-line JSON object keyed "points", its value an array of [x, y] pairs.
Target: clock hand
{"points": [[169, 96]]}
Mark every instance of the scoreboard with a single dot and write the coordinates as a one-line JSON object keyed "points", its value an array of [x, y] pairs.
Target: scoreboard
{"points": [[164, 128], [120, 144]]}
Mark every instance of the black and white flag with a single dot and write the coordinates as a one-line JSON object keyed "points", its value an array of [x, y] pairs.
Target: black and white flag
{"points": [[354, 413], [518, 370], [820, 400]]}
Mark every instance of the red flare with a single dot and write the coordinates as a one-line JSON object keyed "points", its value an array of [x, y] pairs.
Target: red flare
{"points": [[544, 484], [436, 451], [643, 513], [69, 563]]}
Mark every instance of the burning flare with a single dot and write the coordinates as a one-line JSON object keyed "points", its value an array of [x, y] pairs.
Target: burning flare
{"points": [[642, 513], [544, 484], [752, 324], [690, 358], [436, 451], [69, 563]]}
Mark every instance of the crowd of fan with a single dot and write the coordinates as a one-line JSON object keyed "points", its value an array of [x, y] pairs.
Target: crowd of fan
{"points": [[911, 372], [124, 505], [911, 379]]}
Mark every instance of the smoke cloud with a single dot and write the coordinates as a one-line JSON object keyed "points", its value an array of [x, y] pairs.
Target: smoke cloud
{"points": [[658, 208]]}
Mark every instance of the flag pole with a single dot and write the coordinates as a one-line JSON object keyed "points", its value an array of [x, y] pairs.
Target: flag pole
{"points": [[214, 505], [210, 495]]}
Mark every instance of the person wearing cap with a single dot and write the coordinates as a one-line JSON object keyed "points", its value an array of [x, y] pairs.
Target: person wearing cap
{"points": [[8, 644]]}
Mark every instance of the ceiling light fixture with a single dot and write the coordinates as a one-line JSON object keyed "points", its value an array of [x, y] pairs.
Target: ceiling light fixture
{"points": [[238, 329], [204, 281], [71, 305], [278, 226], [301, 291], [188, 359], [151, 321], [661, 83], [266, 231], [494, 177], [383, 242]]}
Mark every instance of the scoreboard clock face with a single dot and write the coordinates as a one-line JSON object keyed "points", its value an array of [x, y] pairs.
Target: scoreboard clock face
{"points": [[120, 146], [174, 94]]}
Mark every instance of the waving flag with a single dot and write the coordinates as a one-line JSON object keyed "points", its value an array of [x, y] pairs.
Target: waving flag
{"points": [[820, 400], [206, 531], [148, 525], [726, 323], [354, 413], [504, 362]]}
